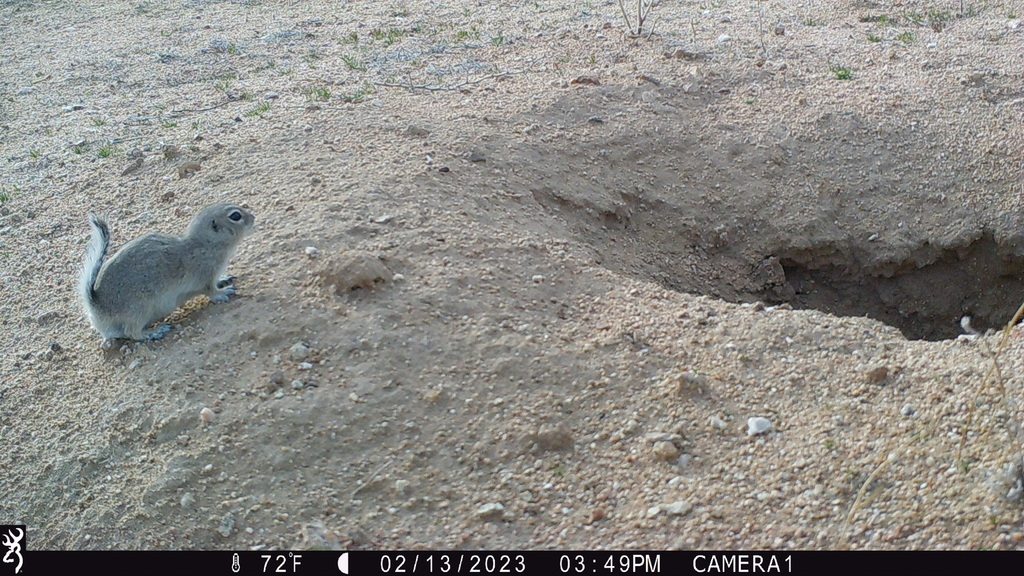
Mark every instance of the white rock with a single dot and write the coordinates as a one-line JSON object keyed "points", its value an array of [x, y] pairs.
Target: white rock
{"points": [[312, 252], [298, 352], [677, 508], [757, 425], [724, 38], [297, 385], [538, 278], [490, 511], [207, 416], [717, 422]]}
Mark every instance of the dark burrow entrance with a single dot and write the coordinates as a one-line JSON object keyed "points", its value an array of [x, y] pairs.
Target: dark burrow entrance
{"points": [[850, 215], [924, 301]]}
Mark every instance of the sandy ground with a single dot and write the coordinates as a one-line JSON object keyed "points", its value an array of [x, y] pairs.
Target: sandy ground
{"points": [[519, 280]]}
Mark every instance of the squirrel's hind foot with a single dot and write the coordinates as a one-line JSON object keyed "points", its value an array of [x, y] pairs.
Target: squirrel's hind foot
{"points": [[158, 331]]}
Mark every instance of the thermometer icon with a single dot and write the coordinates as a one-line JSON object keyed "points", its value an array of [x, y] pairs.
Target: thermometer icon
{"points": [[234, 563]]}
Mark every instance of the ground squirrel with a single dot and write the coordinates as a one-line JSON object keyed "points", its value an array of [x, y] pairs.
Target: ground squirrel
{"points": [[151, 276]]}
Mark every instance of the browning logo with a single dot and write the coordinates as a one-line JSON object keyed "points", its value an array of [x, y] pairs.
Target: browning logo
{"points": [[13, 538]]}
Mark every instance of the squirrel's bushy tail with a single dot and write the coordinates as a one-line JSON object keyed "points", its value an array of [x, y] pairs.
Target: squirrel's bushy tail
{"points": [[94, 256]]}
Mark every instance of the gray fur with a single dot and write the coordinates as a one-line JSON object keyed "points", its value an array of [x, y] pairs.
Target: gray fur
{"points": [[151, 276]]}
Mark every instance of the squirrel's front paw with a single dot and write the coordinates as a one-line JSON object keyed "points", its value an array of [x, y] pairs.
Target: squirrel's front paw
{"points": [[222, 296]]}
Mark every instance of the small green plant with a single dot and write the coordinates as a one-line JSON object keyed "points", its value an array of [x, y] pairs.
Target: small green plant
{"points": [[811, 22], [258, 110], [829, 443], [196, 125], [311, 57], [169, 123], [233, 49], [98, 121], [841, 72], [33, 153], [906, 36], [387, 37], [874, 38], [79, 148], [222, 85], [559, 470], [6, 195], [360, 94], [351, 38], [105, 151], [498, 40], [880, 19], [318, 93], [353, 63], [938, 19]]}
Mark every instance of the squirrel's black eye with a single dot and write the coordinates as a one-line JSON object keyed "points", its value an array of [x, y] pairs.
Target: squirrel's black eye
{"points": [[235, 216]]}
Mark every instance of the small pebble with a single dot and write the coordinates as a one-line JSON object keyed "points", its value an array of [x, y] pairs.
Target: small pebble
{"points": [[538, 278], [677, 508], [907, 410], [724, 38], [305, 366], [207, 416], [270, 96], [298, 352], [717, 422], [757, 425], [490, 511], [227, 524], [312, 252], [684, 461], [666, 451], [297, 385]]}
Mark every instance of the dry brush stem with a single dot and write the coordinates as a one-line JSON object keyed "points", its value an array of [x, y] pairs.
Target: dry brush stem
{"points": [[994, 369], [643, 11]]}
